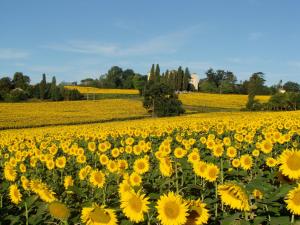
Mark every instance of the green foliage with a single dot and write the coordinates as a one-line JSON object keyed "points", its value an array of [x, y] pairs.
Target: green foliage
{"points": [[208, 87], [161, 100], [71, 94], [16, 95], [5, 86], [21, 81], [43, 86], [291, 87]]}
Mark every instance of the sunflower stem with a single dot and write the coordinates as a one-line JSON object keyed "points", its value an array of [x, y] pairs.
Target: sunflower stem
{"points": [[26, 213], [176, 178], [222, 173], [293, 219], [216, 204]]}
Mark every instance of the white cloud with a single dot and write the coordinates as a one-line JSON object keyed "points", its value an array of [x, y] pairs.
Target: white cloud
{"points": [[162, 44], [10, 54], [254, 36]]}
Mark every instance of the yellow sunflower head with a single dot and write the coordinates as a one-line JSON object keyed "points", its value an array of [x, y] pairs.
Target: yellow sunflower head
{"points": [[234, 196], [59, 210], [198, 214], [172, 209], [98, 215], [290, 166], [293, 200]]}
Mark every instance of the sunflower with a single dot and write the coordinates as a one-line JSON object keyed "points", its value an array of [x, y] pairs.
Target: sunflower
{"points": [[255, 152], [236, 163], [92, 146], [134, 205], [124, 187], [165, 166], [97, 178], [212, 172], [246, 161], [293, 200], [46, 195], [135, 179], [231, 152], [59, 210], [98, 215], [200, 168], [115, 152], [194, 156], [218, 150], [234, 196], [172, 210], [112, 166], [60, 162], [257, 194], [179, 153], [290, 166], [14, 194], [141, 166], [25, 183], [271, 162], [50, 164], [103, 159], [10, 173], [266, 146], [68, 182], [198, 214]]}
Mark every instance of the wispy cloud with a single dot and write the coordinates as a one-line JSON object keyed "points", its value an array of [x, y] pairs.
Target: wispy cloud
{"points": [[254, 36], [294, 64], [9, 54], [49, 69], [162, 44]]}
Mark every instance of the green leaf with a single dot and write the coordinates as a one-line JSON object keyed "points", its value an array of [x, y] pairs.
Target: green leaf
{"points": [[231, 220], [258, 220], [282, 220]]}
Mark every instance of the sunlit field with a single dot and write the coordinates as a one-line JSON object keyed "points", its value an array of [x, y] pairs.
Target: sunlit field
{"points": [[229, 101], [16, 115], [205, 168], [92, 90]]}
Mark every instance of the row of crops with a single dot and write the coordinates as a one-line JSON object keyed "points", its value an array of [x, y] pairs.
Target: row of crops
{"points": [[240, 168]]}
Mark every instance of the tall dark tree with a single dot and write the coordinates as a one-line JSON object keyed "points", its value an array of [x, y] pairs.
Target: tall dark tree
{"points": [[255, 85], [179, 79], [152, 73], [43, 86], [161, 100], [54, 90], [21, 81], [5, 86], [186, 80], [157, 73]]}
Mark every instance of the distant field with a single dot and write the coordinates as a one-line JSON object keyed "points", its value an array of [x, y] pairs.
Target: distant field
{"points": [[224, 101], [17, 115], [92, 90]]}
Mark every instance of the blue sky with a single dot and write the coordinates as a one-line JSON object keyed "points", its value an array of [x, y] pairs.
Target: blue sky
{"points": [[74, 39]]}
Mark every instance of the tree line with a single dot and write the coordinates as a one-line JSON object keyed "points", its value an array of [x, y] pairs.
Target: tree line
{"points": [[18, 88]]}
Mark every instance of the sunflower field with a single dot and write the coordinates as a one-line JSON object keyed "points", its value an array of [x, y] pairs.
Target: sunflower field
{"points": [[216, 168]]}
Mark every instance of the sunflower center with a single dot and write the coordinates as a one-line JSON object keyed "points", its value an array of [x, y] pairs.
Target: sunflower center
{"points": [[141, 165], [171, 210], [98, 178], [100, 216], [296, 198], [135, 204], [293, 162], [192, 218], [212, 173]]}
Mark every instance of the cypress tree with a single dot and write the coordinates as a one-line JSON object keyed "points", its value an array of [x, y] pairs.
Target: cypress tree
{"points": [[157, 73], [43, 85], [152, 73], [186, 79], [53, 89], [179, 79]]}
